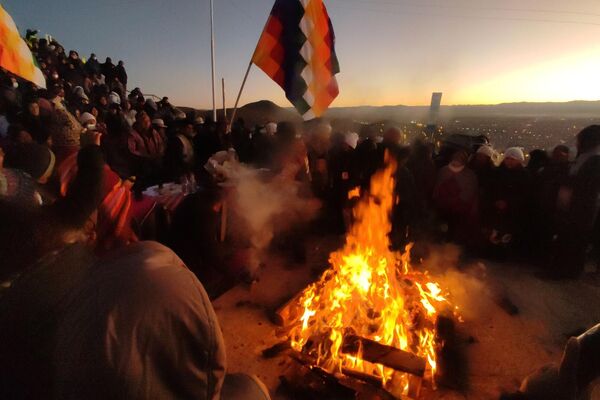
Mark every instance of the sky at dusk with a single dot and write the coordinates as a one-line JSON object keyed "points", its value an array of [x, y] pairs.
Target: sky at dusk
{"points": [[390, 51]]}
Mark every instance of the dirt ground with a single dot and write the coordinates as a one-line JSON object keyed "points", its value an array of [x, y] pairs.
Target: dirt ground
{"points": [[503, 348]]}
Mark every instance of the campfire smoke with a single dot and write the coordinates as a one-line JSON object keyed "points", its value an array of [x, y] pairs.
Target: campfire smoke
{"points": [[265, 206], [371, 293]]}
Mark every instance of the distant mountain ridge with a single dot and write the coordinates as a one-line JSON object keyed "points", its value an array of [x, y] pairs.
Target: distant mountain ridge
{"points": [[264, 111]]}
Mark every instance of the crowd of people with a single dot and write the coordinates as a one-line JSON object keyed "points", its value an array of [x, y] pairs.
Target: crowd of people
{"points": [[76, 158]]}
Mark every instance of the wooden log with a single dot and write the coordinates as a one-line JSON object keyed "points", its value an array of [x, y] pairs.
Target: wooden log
{"points": [[388, 356], [284, 313], [276, 349], [367, 385], [326, 382]]}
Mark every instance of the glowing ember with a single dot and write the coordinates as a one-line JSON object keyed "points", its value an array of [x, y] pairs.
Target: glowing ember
{"points": [[370, 292]]}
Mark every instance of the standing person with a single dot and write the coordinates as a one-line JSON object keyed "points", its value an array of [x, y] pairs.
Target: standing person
{"points": [[578, 207], [510, 200], [318, 148], [179, 155], [456, 198], [121, 74], [483, 164], [108, 70], [366, 156], [263, 145], [421, 166], [116, 146], [242, 141], [206, 143], [92, 66], [342, 178]]}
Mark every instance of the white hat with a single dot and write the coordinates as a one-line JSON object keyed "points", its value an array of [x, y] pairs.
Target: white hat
{"points": [[159, 123], [487, 150], [86, 118], [114, 98], [516, 153], [79, 92], [271, 128], [351, 139], [199, 121]]}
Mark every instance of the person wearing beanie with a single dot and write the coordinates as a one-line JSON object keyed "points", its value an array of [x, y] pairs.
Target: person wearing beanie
{"points": [[514, 158], [86, 120], [114, 98], [507, 218], [351, 139]]}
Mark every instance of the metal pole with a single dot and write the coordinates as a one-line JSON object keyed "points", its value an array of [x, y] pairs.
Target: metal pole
{"points": [[212, 56], [237, 101], [224, 108]]}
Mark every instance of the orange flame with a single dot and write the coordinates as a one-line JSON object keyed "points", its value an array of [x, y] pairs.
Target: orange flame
{"points": [[372, 292]]}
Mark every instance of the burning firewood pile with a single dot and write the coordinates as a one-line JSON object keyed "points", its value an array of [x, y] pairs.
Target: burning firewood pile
{"points": [[371, 319], [374, 326]]}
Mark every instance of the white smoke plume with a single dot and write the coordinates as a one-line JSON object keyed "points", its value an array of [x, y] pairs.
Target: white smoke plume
{"points": [[263, 206]]}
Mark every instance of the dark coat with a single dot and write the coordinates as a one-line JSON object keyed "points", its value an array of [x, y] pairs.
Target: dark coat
{"points": [[136, 325], [121, 74]]}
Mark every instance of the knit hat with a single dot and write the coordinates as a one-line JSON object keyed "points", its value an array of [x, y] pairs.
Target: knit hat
{"points": [[516, 153], [486, 150], [86, 118], [80, 93], [152, 104], [351, 139], [271, 128], [114, 98], [35, 159]]}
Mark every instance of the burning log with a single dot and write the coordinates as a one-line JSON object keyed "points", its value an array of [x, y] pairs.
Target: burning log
{"points": [[284, 313], [391, 357], [368, 386], [307, 382]]}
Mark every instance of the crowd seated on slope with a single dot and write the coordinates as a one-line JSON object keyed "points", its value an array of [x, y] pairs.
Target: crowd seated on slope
{"points": [[76, 158]]}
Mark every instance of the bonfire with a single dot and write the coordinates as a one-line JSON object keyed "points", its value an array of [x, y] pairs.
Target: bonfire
{"points": [[370, 292]]}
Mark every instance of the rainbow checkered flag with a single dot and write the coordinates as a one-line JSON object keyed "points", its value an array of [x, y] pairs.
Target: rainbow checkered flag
{"points": [[15, 55], [297, 50]]}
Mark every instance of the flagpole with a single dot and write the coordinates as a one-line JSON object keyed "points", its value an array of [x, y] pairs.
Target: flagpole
{"points": [[224, 108], [212, 57], [237, 101]]}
